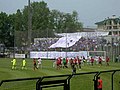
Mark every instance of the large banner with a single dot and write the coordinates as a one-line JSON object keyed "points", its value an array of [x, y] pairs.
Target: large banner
{"points": [[65, 42], [55, 54], [69, 39]]}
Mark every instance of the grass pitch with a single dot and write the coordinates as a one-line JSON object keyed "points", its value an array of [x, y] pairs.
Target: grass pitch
{"points": [[80, 82]]}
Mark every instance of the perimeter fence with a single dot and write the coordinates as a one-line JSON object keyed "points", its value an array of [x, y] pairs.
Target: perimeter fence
{"points": [[78, 81]]}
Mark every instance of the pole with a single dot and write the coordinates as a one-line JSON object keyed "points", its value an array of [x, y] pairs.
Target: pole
{"points": [[47, 43], [66, 42], [112, 79], [118, 45], [29, 25], [112, 46], [14, 45], [87, 45]]}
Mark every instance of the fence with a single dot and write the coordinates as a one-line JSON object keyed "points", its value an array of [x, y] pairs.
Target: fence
{"points": [[61, 80]]}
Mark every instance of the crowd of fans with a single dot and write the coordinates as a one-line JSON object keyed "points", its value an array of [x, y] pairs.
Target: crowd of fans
{"points": [[90, 44], [43, 44], [84, 44]]}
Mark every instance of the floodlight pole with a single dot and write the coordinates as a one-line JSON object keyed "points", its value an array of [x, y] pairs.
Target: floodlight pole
{"points": [[112, 45], [119, 47], [87, 45], [29, 25], [47, 43], [14, 44], [66, 43]]}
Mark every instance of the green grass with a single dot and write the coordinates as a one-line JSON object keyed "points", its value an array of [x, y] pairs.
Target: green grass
{"points": [[80, 82]]}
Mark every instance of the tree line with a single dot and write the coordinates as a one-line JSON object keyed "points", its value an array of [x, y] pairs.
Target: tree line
{"points": [[44, 21]]}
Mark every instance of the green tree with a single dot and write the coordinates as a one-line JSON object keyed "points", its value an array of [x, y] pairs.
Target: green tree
{"points": [[58, 22], [65, 22], [77, 24], [18, 21], [44, 23], [72, 23], [6, 36], [40, 19]]}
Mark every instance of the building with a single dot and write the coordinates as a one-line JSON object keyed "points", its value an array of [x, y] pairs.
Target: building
{"points": [[111, 24]]}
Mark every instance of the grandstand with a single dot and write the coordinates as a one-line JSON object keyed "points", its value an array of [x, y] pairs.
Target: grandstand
{"points": [[70, 43], [73, 41]]}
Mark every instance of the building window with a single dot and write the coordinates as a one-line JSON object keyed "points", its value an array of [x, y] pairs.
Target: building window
{"points": [[110, 33], [115, 33], [115, 27], [109, 27]]}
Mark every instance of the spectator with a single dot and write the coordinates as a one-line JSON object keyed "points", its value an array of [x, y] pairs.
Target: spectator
{"points": [[99, 84]]}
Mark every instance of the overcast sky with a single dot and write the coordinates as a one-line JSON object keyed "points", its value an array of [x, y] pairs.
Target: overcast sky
{"points": [[90, 11]]}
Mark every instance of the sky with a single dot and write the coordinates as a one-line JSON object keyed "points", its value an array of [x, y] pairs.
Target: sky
{"points": [[89, 11]]}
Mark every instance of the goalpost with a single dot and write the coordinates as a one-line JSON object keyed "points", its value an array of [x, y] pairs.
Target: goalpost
{"points": [[97, 53]]}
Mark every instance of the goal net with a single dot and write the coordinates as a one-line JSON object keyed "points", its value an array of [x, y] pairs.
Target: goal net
{"points": [[95, 54]]}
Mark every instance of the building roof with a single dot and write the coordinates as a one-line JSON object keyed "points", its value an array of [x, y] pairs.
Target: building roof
{"points": [[89, 29], [116, 20]]}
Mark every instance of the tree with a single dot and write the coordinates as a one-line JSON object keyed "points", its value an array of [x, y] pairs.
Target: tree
{"points": [[58, 21], [62, 21], [45, 23], [6, 36], [40, 15], [40, 19], [77, 24], [72, 23], [18, 21]]}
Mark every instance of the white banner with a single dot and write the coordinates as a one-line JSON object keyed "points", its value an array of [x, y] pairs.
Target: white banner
{"points": [[83, 34], [69, 39], [65, 42], [55, 54], [19, 55]]}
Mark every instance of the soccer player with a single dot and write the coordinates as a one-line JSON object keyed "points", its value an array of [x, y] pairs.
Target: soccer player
{"points": [[79, 62], [107, 60], [92, 61], [58, 62], [24, 64], [71, 62], [73, 69], [34, 63], [88, 60], [75, 61], [39, 63], [100, 61], [54, 63], [65, 62], [13, 63]]}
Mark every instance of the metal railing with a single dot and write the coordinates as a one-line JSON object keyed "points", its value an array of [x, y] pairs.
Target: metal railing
{"points": [[65, 82]]}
